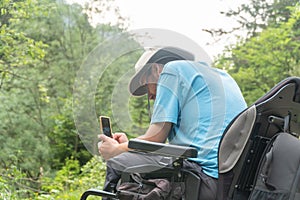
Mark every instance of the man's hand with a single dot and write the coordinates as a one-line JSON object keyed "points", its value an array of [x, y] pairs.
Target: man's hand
{"points": [[111, 147], [120, 137]]}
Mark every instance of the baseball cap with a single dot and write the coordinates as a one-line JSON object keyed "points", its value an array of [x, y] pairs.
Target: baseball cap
{"points": [[161, 55]]}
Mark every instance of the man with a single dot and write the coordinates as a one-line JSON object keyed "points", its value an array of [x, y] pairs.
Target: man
{"points": [[193, 105]]}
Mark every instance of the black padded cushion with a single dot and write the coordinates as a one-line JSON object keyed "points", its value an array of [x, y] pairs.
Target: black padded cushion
{"points": [[163, 149]]}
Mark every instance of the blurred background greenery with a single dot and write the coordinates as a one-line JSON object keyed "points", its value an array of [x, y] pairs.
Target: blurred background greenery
{"points": [[42, 46]]}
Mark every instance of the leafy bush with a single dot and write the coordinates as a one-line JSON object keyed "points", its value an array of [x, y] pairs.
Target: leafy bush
{"points": [[68, 183], [71, 181]]}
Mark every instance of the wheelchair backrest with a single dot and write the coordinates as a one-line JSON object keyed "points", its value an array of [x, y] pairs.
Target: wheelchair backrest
{"points": [[246, 137]]}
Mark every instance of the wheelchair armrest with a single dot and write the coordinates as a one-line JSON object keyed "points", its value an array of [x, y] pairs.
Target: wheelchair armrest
{"points": [[170, 150]]}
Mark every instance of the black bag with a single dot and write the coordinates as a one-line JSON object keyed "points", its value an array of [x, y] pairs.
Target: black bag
{"points": [[278, 177], [142, 189]]}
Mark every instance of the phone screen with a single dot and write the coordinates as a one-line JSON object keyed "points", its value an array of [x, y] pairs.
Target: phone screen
{"points": [[105, 126]]}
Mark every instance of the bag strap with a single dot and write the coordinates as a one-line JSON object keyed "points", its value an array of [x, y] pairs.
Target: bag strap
{"points": [[266, 165], [286, 126], [136, 177], [266, 169]]}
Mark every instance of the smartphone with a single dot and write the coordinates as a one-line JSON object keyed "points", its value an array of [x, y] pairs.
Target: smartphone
{"points": [[105, 126]]}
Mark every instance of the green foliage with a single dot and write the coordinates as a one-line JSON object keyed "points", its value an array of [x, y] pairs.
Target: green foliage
{"points": [[15, 184], [64, 130], [42, 45], [109, 82], [68, 183], [16, 48], [71, 181], [257, 15], [23, 144], [140, 114], [262, 61]]}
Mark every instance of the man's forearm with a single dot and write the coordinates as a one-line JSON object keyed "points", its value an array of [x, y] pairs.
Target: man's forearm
{"points": [[157, 132]]}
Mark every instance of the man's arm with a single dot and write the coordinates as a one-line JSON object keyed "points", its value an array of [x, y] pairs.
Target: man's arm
{"points": [[157, 132]]}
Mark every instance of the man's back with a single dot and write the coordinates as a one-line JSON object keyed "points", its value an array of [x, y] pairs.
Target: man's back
{"points": [[200, 101]]}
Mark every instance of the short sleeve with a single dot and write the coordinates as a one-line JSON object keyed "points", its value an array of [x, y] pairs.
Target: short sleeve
{"points": [[166, 106]]}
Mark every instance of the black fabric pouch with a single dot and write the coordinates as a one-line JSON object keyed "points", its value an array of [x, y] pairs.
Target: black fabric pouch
{"points": [[278, 177], [143, 189]]}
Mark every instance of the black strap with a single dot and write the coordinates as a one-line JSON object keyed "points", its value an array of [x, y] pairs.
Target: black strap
{"points": [[267, 164], [286, 127]]}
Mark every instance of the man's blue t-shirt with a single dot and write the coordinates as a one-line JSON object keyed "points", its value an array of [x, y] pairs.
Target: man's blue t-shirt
{"points": [[200, 101]]}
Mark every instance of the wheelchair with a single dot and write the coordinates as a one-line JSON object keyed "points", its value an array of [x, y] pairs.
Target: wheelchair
{"points": [[240, 149]]}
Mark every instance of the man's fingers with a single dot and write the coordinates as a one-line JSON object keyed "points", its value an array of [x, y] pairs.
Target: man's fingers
{"points": [[103, 137], [120, 137], [99, 145]]}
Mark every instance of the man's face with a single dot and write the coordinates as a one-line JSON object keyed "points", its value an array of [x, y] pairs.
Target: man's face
{"points": [[151, 89], [151, 83]]}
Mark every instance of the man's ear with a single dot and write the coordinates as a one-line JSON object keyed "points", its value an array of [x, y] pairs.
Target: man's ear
{"points": [[157, 69]]}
